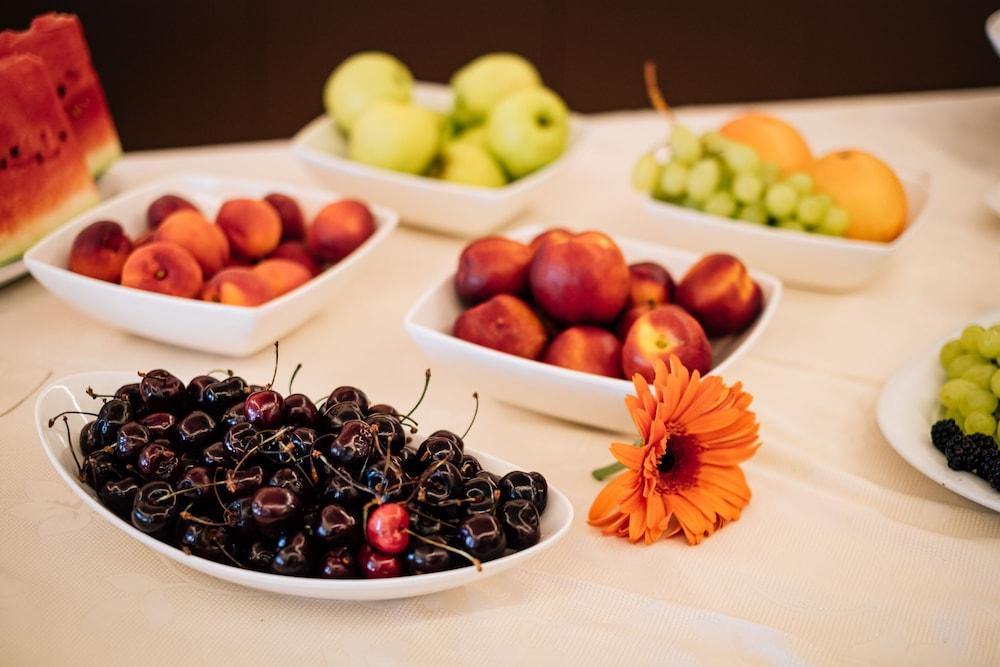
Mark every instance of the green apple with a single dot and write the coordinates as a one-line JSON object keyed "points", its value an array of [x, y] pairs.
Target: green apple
{"points": [[528, 130], [471, 164], [361, 80], [482, 83], [476, 135], [397, 136]]}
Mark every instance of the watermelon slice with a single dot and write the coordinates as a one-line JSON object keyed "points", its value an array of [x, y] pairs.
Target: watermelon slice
{"points": [[44, 179], [58, 40]]}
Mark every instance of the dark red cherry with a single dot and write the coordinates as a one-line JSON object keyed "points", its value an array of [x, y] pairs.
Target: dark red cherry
{"points": [[160, 424], [303, 439], [196, 481], [289, 478], [259, 556], [339, 563], [239, 518], [300, 410], [196, 391], [337, 414], [162, 391], [214, 455], [353, 445], [425, 523], [196, 431], [132, 437], [243, 482], [158, 461], [341, 488], [423, 558], [131, 394], [390, 435], [384, 480], [481, 535], [209, 542], [439, 482], [470, 466], [88, 440], [348, 393], [336, 525], [221, 395], [233, 415], [112, 415], [448, 435], [436, 449], [275, 509], [386, 528], [375, 565], [154, 507], [527, 486], [520, 522], [242, 442], [119, 494], [480, 494], [264, 409], [100, 468], [383, 409], [291, 557]]}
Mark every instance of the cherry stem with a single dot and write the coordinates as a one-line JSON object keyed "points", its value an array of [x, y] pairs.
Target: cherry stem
{"points": [[52, 422], [427, 382], [475, 412], [450, 524], [93, 394], [187, 516], [475, 561], [294, 373], [69, 436], [274, 375], [197, 487], [653, 90], [603, 473]]}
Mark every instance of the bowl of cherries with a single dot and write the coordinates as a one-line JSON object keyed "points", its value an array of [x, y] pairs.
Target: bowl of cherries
{"points": [[332, 499]]}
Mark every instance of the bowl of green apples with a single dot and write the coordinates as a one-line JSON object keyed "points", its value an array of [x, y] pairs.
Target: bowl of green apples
{"points": [[460, 159]]}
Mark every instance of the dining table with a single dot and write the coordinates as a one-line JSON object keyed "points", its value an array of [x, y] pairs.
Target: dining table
{"points": [[846, 555]]}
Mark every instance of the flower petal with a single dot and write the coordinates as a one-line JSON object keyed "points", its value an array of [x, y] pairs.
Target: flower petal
{"points": [[612, 494], [629, 456]]}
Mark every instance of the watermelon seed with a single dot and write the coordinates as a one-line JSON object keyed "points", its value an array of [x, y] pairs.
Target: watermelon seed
{"points": [[15, 151]]}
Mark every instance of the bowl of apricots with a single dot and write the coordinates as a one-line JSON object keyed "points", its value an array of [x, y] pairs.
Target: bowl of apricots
{"points": [[218, 264]]}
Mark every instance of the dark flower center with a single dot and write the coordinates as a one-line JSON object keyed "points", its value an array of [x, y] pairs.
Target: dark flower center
{"points": [[679, 465]]}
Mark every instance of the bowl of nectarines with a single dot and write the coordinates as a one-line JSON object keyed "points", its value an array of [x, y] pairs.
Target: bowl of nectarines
{"points": [[219, 264], [558, 322]]}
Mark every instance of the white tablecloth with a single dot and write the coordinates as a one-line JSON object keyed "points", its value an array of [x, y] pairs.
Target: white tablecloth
{"points": [[846, 555]]}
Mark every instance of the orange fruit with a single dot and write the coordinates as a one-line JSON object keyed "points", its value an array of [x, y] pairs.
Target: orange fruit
{"points": [[867, 189], [772, 138]]}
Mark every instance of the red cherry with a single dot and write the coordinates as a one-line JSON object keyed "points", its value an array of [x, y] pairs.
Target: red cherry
{"points": [[387, 528], [377, 565], [264, 409]]}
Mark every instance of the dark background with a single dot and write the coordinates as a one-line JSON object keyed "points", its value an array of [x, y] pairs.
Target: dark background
{"points": [[194, 72]]}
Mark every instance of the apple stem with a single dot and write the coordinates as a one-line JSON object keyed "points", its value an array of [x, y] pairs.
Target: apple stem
{"points": [[603, 473], [653, 90]]}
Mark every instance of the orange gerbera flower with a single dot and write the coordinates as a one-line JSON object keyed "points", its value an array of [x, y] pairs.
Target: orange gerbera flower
{"points": [[685, 475]]}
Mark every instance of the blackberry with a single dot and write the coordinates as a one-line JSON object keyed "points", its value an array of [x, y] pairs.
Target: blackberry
{"points": [[962, 455], [944, 433], [989, 464]]}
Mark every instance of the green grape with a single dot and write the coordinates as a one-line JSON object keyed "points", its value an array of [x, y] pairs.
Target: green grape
{"points": [[703, 179], [673, 179], [811, 210], [980, 422], [978, 400], [971, 335], [980, 375], [685, 145], [953, 391], [721, 204], [780, 200], [688, 202], [949, 351], [645, 173], [835, 222], [995, 383], [714, 143], [792, 224], [989, 344], [962, 363], [753, 213], [747, 188], [741, 159], [770, 172], [801, 181]]}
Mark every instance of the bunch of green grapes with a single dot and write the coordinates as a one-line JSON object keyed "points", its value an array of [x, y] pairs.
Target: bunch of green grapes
{"points": [[972, 390], [718, 176]]}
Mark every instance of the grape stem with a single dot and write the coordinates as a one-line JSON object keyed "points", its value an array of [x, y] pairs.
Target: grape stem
{"points": [[653, 90]]}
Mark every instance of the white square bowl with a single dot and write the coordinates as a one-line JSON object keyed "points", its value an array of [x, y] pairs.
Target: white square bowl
{"points": [[803, 259], [201, 325], [452, 208], [560, 392]]}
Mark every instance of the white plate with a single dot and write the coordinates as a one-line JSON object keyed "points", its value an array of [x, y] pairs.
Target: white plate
{"points": [[202, 325], [800, 258], [993, 30], [452, 208], [568, 394], [69, 394], [909, 405], [11, 272]]}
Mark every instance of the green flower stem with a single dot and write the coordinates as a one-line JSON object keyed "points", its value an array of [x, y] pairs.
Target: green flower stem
{"points": [[603, 473]]}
